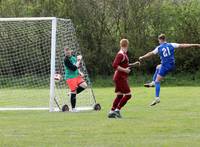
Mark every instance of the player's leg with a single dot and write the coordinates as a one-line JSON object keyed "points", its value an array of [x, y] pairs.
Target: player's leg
{"points": [[122, 103], [152, 84], [73, 100], [72, 84], [164, 70], [78, 86], [82, 85], [156, 73], [116, 101], [125, 89], [157, 90]]}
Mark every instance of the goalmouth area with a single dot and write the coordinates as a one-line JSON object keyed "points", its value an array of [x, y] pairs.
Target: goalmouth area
{"points": [[31, 54]]}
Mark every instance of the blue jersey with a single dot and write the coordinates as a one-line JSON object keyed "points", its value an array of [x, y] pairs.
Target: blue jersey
{"points": [[166, 52]]}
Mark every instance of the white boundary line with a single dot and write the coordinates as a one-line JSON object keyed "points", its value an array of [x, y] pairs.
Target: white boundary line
{"points": [[84, 108], [40, 108], [22, 108], [80, 109]]}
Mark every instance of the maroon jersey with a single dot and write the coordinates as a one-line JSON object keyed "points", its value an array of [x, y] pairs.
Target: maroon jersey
{"points": [[122, 60]]}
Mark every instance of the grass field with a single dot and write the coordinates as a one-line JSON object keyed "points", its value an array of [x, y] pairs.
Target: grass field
{"points": [[175, 122]]}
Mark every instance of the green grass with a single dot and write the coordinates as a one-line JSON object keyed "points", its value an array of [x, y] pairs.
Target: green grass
{"points": [[175, 122], [135, 79]]}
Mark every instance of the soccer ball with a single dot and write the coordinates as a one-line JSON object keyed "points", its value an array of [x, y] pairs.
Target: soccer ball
{"points": [[57, 77]]}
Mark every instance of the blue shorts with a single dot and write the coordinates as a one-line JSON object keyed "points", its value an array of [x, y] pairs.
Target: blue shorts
{"points": [[165, 69]]}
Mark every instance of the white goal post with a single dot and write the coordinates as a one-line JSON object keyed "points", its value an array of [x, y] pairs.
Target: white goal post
{"points": [[53, 56], [31, 50]]}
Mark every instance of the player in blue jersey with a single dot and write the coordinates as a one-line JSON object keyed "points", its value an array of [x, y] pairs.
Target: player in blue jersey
{"points": [[166, 52]]}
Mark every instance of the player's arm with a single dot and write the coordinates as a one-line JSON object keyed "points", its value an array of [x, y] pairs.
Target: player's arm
{"points": [[68, 64], [117, 61], [79, 58], [80, 73], [137, 63], [183, 45], [147, 55], [126, 70]]}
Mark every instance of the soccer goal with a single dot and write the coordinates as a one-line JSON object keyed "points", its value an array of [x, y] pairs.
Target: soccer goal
{"points": [[31, 54]]}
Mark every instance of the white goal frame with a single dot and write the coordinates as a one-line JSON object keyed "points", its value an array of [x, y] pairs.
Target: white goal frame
{"points": [[52, 94]]}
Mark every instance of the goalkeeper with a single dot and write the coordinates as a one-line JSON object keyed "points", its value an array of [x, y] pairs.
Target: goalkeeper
{"points": [[73, 76]]}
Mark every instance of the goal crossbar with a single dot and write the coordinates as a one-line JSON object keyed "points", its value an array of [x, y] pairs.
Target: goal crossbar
{"points": [[27, 18]]}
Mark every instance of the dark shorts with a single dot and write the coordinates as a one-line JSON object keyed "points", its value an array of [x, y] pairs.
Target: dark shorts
{"points": [[165, 69], [121, 85]]}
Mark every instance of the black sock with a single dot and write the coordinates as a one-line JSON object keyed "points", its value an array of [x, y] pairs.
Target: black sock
{"points": [[79, 89], [73, 100]]}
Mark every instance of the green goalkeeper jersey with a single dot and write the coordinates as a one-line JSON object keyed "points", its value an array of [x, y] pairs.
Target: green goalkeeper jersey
{"points": [[71, 71]]}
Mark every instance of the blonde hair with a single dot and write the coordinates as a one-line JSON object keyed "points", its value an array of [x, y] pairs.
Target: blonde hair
{"points": [[162, 37], [124, 43]]}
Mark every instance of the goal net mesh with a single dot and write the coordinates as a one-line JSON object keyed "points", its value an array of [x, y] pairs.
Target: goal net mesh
{"points": [[25, 64]]}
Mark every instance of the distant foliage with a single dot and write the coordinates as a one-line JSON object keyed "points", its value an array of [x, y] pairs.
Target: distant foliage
{"points": [[100, 24]]}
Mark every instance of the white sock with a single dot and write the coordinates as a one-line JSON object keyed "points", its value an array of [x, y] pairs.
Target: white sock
{"points": [[116, 109], [157, 98], [111, 111]]}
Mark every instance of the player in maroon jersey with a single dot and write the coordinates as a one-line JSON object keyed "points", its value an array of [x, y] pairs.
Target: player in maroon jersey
{"points": [[120, 78]]}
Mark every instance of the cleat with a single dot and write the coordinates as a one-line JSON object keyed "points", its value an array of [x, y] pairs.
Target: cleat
{"points": [[117, 114], [111, 114], [152, 84], [156, 101]]}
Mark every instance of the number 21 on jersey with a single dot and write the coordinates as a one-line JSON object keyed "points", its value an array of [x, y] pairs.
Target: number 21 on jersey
{"points": [[166, 52]]}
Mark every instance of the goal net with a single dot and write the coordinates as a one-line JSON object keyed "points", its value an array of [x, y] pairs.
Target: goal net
{"points": [[31, 53]]}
